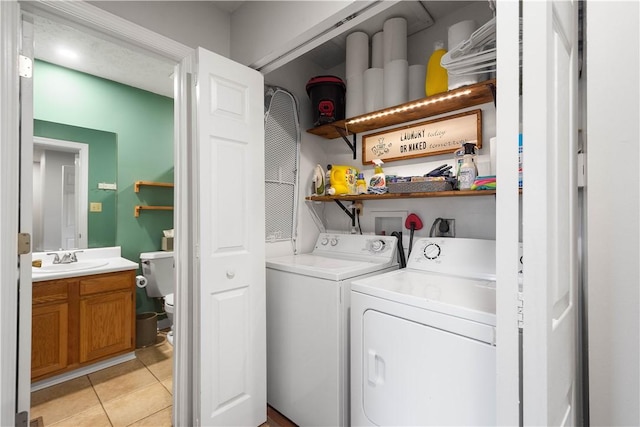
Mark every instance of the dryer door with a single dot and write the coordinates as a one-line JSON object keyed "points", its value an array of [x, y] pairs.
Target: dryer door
{"points": [[415, 374]]}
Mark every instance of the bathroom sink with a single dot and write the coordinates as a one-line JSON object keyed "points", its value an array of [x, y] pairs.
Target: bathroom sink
{"points": [[74, 266]]}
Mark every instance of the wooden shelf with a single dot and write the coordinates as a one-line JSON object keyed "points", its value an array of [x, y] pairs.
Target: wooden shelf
{"points": [[139, 208], [479, 93], [138, 184], [387, 196]]}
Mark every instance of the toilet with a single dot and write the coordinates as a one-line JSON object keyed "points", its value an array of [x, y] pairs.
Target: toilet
{"points": [[159, 270]]}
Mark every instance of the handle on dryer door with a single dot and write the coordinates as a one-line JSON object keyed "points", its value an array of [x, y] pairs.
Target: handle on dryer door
{"points": [[375, 365]]}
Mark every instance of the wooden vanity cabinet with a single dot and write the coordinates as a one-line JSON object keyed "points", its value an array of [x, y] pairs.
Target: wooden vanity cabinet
{"points": [[81, 320], [107, 316], [49, 327]]}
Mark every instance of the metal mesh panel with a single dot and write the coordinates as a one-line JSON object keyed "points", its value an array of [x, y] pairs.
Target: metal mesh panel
{"points": [[282, 135]]}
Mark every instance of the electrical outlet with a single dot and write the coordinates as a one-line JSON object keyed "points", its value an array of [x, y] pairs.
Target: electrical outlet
{"points": [[95, 207], [358, 206], [446, 228]]}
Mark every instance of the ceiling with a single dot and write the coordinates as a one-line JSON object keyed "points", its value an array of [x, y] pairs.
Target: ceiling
{"points": [[115, 62]]}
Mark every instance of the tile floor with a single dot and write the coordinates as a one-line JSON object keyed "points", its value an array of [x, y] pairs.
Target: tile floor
{"points": [[135, 393]]}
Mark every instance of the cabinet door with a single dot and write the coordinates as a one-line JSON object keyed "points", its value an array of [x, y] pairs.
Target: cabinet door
{"points": [[106, 325], [49, 339]]}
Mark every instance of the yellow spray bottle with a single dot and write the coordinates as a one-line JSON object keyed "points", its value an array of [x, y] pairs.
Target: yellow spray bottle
{"points": [[378, 179]]}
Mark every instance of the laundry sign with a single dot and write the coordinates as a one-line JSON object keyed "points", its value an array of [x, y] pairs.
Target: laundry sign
{"points": [[430, 138]]}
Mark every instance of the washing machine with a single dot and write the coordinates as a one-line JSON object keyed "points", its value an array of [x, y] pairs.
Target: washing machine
{"points": [[308, 324], [423, 339]]}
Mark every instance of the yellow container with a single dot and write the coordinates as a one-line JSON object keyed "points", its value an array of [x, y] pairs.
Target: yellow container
{"points": [[437, 79], [343, 179]]}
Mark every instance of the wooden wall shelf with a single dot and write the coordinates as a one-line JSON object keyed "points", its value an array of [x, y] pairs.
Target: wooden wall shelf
{"points": [[388, 196], [138, 184], [479, 93], [139, 208]]}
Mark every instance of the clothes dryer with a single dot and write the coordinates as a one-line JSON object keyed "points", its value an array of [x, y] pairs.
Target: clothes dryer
{"points": [[308, 324], [423, 338]]}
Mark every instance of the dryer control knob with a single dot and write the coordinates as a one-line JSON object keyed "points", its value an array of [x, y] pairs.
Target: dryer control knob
{"points": [[377, 245], [334, 241], [324, 241], [432, 251]]}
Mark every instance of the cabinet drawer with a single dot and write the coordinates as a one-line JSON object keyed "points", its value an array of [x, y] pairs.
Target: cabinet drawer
{"points": [[50, 291], [107, 282]]}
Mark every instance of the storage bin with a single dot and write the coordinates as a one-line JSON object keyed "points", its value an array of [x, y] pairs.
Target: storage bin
{"points": [[327, 94]]}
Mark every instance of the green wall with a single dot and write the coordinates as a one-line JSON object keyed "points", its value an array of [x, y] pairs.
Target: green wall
{"points": [[143, 123]]}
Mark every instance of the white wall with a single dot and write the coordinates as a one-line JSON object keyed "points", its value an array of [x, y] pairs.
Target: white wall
{"points": [[192, 23], [613, 202], [262, 30]]}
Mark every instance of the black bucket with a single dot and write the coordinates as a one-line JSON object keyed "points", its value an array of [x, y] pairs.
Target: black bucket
{"points": [[327, 99]]}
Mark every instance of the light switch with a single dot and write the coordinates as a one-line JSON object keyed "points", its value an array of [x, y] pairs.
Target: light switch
{"points": [[95, 207]]}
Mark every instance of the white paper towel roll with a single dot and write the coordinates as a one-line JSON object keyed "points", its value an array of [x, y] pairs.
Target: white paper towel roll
{"points": [[377, 50], [141, 281], [355, 96], [458, 33], [357, 60], [396, 83], [417, 78], [394, 36], [373, 89]]}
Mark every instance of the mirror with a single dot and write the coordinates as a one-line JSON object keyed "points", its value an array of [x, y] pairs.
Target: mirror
{"points": [[74, 199]]}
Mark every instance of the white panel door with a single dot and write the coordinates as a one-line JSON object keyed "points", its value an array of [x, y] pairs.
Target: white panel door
{"points": [[550, 80], [232, 314]]}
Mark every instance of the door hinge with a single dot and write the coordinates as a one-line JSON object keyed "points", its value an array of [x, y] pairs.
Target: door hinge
{"points": [[24, 243], [26, 66], [520, 310], [22, 419]]}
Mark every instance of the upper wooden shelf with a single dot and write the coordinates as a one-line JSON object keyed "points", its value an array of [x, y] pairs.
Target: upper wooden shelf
{"points": [[138, 184], [479, 93], [386, 196]]}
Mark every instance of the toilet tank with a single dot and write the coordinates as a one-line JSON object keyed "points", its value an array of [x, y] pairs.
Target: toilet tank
{"points": [[158, 269]]}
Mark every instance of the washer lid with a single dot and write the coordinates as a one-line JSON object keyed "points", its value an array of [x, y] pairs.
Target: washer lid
{"points": [[473, 299], [324, 267]]}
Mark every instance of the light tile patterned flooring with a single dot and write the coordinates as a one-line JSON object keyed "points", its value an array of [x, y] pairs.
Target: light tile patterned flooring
{"points": [[134, 393]]}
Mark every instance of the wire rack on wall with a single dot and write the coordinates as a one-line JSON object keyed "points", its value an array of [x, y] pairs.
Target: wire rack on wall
{"points": [[282, 152]]}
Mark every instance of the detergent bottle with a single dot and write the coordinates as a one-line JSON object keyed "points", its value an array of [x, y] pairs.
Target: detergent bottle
{"points": [[437, 79], [343, 179], [468, 168], [361, 184], [378, 179]]}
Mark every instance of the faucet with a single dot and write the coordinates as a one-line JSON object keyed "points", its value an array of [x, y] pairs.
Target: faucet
{"points": [[67, 258]]}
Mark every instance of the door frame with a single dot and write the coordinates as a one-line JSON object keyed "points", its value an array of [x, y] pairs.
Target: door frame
{"points": [[109, 26]]}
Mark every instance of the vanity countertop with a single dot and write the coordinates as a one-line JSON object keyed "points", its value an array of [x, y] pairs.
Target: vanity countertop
{"points": [[90, 262]]}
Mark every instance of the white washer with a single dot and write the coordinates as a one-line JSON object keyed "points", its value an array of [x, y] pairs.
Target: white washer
{"points": [[423, 338], [308, 324]]}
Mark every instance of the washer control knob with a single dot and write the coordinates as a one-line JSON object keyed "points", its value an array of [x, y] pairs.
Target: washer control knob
{"points": [[324, 241], [432, 251], [334, 241], [377, 245]]}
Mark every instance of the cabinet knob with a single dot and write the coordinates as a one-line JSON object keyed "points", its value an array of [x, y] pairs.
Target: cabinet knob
{"points": [[231, 274]]}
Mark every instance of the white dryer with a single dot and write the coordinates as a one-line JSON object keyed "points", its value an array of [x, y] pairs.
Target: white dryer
{"points": [[423, 338], [308, 324]]}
